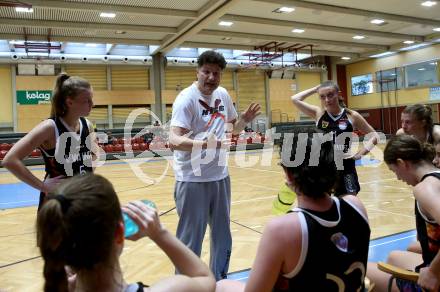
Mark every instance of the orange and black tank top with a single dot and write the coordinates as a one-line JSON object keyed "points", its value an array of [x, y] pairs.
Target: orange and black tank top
{"points": [[428, 231]]}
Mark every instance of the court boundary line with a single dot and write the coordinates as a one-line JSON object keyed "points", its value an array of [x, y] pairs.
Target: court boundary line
{"points": [[377, 238], [394, 240], [245, 226]]}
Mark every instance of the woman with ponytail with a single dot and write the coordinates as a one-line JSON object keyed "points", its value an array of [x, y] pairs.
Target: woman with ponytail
{"points": [[80, 233], [333, 117], [417, 121], [63, 138], [411, 161]]}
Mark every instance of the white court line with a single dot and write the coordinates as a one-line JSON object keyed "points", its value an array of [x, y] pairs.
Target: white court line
{"points": [[255, 169], [393, 187], [260, 186], [254, 199], [376, 181], [245, 179], [386, 242], [383, 211]]}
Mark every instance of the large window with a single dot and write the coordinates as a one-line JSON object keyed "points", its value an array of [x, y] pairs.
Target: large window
{"points": [[362, 84], [389, 79], [422, 74]]}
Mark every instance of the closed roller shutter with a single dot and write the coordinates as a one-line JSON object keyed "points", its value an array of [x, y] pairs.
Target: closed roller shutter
{"points": [[227, 80], [121, 113], [96, 75], [251, 89], [99, 114], [179, 78], [130, 77]]}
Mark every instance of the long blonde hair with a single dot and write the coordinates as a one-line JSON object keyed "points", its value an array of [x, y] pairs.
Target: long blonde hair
{"points": [[66, 86]]}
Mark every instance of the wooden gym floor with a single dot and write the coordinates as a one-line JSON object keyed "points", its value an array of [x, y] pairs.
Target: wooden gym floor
{"points": [[389, 202]]}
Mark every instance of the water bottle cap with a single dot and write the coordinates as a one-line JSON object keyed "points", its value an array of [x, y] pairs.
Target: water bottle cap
{"points": [[149, 204]]}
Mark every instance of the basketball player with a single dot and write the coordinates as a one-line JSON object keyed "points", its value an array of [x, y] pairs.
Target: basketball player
{"points": [[411, 161], [333, 117], [322, 245], [61, 138]]}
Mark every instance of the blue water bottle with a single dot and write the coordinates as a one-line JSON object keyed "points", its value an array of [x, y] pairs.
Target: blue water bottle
{"points": [[131, 227]]}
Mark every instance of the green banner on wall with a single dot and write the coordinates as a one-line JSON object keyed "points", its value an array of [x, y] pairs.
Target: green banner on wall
{"points": [[33, 96]]}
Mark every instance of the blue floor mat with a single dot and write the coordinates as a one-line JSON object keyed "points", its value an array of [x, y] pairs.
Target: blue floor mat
{"points": [[367, 161], [18, 195]]}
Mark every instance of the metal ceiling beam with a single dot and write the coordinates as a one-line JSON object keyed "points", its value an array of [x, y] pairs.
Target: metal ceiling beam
{"points": [[290, 39], [354, 11], [85, 25], [306, 25], [434, 37], [251, 48], [210, 12], [155, 42], [99, 40], [217, 46], [112, 8]]}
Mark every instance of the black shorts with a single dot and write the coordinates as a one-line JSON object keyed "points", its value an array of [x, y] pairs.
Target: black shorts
{"points": [[41, 201], [347, 181]]}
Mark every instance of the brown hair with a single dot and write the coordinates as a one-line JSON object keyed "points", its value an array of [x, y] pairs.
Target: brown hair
{"points": [[406, 147], [421, 113], [211, 57], [329, 83], [335, 86], [313, 180], [76, 227], [66, 86]]}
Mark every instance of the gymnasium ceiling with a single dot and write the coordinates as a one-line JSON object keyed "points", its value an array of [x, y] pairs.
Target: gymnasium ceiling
{"points": [[165, 25]]}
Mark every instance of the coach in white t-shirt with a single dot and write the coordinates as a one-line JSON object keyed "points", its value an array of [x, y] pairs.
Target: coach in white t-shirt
{"points": [[202, 113]]}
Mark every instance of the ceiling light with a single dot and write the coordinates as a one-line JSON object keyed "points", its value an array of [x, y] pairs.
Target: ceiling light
{"points": [[24, 9], [14, 42], [381, 54], [225, 23], [107, 14], [227, 38], [421, 69], [358, 37], [284, 10], [429, 3], [345, 58], [298, 30], [436, 29], [377, 21], [433, 63], [408, 42], [185, 49], [120, 32]]}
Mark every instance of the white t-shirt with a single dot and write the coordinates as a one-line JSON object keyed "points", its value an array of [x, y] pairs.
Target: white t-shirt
{"points": [[202, 116]]}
